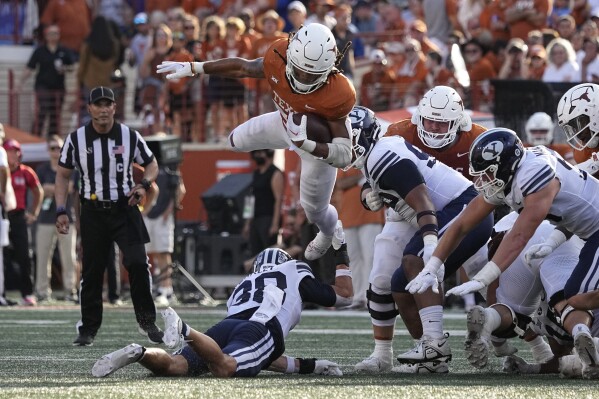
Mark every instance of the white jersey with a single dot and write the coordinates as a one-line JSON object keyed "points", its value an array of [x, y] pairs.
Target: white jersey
{"points": [[575, 206], [444, 184], [287, 277]]}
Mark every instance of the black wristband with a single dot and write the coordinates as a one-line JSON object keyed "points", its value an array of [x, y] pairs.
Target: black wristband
{"points": [[429, 228], [60, 210], [146, 184], [341, 256], [307, 366], [424, 213]]}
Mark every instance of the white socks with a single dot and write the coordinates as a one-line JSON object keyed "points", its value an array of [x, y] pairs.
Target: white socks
{"points": [[492, 321], [383, 348], [579, 329], [432, 321]]}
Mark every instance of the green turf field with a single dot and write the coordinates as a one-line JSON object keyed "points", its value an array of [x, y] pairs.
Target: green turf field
{"points": [[37, 360]]}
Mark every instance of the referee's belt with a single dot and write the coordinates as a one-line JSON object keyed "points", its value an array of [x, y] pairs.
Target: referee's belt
{"points": [[104, 205]]}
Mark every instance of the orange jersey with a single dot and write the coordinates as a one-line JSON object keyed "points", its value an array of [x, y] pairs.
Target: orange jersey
{"points": [[455, 157], [564, 150], [334, 100]]}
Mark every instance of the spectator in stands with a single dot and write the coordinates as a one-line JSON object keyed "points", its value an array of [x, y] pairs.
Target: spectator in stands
{"points": [[346, 35], [560, 9], [515, 65], [271, 25], [247, 16], [418, 31], [235, 109], [47, 237], [179, 106], [561, 65], [141, 40], [565, 27], [321, 13], [49, 61], [368, 22], [410, 76], [392, 22], [152, 86], [268, 185], [438, 74], [174, 18], [191, 29], [440, 20], [160, 5], [493, 20], [157, 18], [377, 83], [213, 31], [73, 19], [23, 178], [589, 65], [589, 29], [469, 11], [480, 71], [296, 14], [361, 227], [114, 10], [98, 60], [7, 203], [537, 62], [524, 16], [534, 37]]}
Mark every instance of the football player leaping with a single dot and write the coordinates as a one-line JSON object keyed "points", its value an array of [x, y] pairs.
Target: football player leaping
{"points": [[262, 310], [303, 77], [430, 194], [538, 184]]}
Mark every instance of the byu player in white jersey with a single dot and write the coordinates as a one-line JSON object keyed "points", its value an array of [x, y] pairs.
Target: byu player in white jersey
{"points": [[527, 292], [410, 181], [262, 310], [538, 184]]}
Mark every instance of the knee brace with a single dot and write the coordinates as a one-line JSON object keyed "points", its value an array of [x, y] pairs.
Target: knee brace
{"points": [[381, 307], [518, 327]]}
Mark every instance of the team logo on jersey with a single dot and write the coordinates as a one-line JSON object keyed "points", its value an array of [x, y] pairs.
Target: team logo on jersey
{"points": [[309, 108], [274, 79], [492, 150]]}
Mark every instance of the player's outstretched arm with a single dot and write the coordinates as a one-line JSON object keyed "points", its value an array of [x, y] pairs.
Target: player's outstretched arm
{"points": [[291, 365], [226, 67]]}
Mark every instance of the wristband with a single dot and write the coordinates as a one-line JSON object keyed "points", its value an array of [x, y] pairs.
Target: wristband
{"points": [[488, 274], [146, 184], [307, 366], [290, 365], [424, 213], [308, 145], [61, 210], [341, 256], [342, 273], [196, 68]]}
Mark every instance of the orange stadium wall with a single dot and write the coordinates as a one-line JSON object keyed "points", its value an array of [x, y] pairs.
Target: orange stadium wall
{"points": [[199, 171]]}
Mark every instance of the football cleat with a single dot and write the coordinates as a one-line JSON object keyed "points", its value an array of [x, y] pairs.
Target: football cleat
{"points": [[172, 329], [516, 365], [570, 367], [427, 350], [505, 349], [375, 364], [318, 246], [422, 368], [111, 362], [476, 344], [153, 333], [587, 352]]}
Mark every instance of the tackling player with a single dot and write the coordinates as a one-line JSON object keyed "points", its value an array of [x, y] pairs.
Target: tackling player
{"points": [[262, 310], [441, 127], [538, 184], [303, 77]]}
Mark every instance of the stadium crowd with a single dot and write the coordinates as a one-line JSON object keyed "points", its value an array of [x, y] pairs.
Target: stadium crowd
{"points": [[440, 60]]}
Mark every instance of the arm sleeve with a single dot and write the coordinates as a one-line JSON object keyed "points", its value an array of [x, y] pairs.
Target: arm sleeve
{"points": [[313, 291], [143, 155], [401, 177], [67, 153]]}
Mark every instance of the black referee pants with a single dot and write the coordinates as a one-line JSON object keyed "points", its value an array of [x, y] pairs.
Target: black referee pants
{"points": [[99, 230]]}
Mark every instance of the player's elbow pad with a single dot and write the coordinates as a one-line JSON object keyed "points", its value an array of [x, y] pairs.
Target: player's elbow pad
{"points": [[339, 152], [343, 301]]}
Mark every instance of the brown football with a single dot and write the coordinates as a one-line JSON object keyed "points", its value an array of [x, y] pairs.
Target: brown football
{"points": [[317, 127]]}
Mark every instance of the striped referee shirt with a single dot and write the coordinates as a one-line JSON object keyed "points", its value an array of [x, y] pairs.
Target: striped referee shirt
{"points": [[105, 161]]}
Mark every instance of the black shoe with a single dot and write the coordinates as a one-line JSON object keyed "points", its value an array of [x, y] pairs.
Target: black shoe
{"points": [[84, 340], [6, 302], [153, 333]]}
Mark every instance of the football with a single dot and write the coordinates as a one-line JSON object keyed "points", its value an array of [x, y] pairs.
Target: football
{"points": [[317, 127]]}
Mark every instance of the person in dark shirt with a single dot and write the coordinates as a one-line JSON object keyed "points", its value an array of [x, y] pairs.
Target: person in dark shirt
{"points": [[50, 61]]}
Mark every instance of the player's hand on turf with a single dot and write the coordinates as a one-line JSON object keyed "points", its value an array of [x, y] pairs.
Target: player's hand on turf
{"points": [[175, 70], [326, 367], [466, 288], [297, 132]]}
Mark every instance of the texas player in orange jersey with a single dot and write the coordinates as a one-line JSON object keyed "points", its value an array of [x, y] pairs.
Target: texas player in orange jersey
{"points": [[539, 131], [441, 128], [303, 77]]}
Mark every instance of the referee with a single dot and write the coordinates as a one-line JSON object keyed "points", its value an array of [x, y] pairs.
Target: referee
{"points": [[104, 151]]}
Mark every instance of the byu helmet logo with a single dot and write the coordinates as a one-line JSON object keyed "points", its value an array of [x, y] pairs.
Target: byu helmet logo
{"points": [[492, 150]]}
